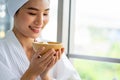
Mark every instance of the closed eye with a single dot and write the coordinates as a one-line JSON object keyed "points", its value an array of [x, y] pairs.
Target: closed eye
{"points": [[32, 13], [45, 14]]}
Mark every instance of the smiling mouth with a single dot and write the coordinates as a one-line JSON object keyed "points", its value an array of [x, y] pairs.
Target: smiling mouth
{"points": [[35, 30]]}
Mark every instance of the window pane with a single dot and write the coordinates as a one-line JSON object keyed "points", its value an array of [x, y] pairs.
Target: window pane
{"points": [[50, 31], [96, 33], [94, 70], [97, 28]]}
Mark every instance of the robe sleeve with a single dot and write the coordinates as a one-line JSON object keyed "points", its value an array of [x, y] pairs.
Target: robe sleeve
{"points": [[64, 70], [6, 74], [5, 71]]}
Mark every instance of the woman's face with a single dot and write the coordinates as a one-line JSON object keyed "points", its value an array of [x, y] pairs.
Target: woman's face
{"points": [[31, 18]]}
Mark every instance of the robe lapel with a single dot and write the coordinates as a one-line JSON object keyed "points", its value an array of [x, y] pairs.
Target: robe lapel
{"points": [[19, 58]]}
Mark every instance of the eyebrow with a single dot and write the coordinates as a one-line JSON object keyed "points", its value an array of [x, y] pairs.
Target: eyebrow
{"points": [[32, 8]]}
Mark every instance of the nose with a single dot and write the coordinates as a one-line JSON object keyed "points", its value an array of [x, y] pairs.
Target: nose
{"points": [[39, 20]]}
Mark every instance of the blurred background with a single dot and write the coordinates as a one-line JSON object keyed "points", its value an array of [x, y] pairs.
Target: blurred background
{"points": [[4, 19], [90, 32]]}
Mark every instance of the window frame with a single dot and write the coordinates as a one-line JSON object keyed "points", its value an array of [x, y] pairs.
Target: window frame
{"points": [[65, 32]]}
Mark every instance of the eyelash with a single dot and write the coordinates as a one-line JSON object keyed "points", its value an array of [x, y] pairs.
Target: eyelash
{"points": [[35, 14], [32, 14], [45, 14]]}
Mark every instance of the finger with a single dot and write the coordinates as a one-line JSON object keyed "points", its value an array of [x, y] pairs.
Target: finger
{"points": [[37, 54], [47, 60], [58, 54], [50, 52], [44, 63], [51, 63], [62, 50], [41, 49], [56, 57]]}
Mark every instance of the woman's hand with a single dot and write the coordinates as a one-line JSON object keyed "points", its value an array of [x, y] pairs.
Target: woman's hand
{"points": [[41, 65], [56, 57]]}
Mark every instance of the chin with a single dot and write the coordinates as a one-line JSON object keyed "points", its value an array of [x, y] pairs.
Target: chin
{"points": [[35, 36]]}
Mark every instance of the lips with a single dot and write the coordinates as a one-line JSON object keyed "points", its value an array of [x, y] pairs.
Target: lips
{"points": [[35, 29]]}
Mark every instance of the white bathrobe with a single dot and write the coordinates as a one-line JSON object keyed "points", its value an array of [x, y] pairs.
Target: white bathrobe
{"points": [[14, 62]]}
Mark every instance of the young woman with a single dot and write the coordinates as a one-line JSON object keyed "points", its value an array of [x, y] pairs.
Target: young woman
{"points": [[18, 61]]}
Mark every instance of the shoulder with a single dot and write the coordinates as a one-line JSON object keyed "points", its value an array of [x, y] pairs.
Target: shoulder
{"points": [[5, 42], [3, 48], [2, 43], [4, 52]]}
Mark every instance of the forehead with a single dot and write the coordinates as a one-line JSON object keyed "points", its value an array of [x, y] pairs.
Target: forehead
{"points": [[39, 4]]}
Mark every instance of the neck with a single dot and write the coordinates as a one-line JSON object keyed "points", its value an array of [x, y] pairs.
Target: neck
{"points": [[26, 42]]}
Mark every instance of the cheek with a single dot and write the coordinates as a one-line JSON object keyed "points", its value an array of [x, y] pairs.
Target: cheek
{"points": [[23, 22], [46, 19], [26, 19], [45, 22]]}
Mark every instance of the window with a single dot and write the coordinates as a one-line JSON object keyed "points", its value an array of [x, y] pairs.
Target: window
{"points": [[93, 38]]}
